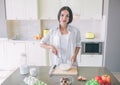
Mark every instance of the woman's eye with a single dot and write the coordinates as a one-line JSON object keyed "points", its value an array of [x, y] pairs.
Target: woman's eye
{"points": [[62, 15], [67, 15]]}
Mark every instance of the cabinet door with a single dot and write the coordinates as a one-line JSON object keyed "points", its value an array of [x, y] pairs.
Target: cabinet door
{"points": [[14, 10], [21, 9], [1, 48], [31, 9], [36, 54], [92, 9], [14, 51], [90, 60], [48, 9], [2, 53], [86, 9]]}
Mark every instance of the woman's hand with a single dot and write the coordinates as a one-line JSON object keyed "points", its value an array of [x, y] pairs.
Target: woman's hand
{"points": [[54, 50], [73, 59]]}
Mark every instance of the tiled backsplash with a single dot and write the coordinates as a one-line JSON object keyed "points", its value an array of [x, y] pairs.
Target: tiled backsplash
{"points": [[26, 29], [95, 26], [23, 29]]}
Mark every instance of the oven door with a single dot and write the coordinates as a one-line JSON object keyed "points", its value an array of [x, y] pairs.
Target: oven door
{"points": [[91, 48]]}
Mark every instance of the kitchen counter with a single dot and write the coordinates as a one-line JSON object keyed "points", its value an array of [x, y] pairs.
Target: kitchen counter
{"points": [[3, 38], [88, 72]]}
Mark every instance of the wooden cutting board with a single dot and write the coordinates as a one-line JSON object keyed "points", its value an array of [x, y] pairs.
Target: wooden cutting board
{"points": [[72, 71]]}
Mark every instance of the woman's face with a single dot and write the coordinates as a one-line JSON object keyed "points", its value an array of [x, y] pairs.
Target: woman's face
{"points": [[64, 17]]}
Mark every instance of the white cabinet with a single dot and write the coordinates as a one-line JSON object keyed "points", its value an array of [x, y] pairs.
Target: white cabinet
{"points": [[48, 9], [14, 51], [21, 9], [37, 56], [92, 9], [90, 60], [1, 48], [86, 9], [2, 53], [11, 53]]}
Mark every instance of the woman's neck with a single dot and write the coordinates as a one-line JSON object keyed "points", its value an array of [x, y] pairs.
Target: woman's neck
{"points": [[63, 29]]}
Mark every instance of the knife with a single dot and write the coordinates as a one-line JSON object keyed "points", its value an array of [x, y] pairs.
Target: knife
{"points": [[52, 69]]}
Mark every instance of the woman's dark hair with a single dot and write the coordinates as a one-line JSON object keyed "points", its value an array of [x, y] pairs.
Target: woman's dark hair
{"points": [[70, 13]]}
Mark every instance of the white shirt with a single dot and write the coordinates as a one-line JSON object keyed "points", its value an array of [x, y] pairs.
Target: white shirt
{"points": [[63, 47], [53, 38]]}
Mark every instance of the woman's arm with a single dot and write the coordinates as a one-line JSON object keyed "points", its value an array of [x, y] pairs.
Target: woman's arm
{"points": [[73, 58], [48, 46]]}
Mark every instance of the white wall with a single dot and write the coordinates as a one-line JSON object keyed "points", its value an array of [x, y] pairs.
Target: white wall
{"points": [[112, 55], [95, 26], [27, 29], [3, 29]]}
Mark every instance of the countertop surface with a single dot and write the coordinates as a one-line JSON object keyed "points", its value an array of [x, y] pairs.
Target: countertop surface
{"points": [[42, 74]]}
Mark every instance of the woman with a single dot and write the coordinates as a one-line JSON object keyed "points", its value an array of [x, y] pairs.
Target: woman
{"points": [[64, 40]]}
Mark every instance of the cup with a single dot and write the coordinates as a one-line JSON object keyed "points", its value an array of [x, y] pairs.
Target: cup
{"points": [[24, 69], [33, 72]]}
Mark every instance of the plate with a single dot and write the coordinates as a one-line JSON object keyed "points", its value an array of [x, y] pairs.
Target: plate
{"points": [[64, 67]]}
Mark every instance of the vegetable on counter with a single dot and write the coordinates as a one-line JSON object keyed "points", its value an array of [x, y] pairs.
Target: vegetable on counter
{"points": [[33, 81], [92, 82], [100, 80]]}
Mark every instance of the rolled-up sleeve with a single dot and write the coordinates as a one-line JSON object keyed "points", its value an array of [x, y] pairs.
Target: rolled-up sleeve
{"points": [[46, 38]]}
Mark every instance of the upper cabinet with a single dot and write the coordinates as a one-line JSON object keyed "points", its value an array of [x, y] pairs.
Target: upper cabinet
{"points": [[48, 9], [92, 9], [86, 9], [21, 9]]}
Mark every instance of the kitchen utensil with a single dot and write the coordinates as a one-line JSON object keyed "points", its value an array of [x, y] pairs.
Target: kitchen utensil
{"points": [[60, 60], [52, 69]]}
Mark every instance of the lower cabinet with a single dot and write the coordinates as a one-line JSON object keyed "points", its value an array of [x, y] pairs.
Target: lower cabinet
{"points": [[37, 56], [1, 48], [13, 53], [2, 53], [90, 60]]}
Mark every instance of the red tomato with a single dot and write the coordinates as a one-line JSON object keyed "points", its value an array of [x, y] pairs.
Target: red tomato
{"points": [[106, 78], [98, 78], [101, 82]]}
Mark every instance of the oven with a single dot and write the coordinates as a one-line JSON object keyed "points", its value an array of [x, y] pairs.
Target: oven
{"points": [[91, 47]]}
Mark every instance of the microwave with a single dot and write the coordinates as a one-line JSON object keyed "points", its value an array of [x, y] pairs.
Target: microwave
{"points": [[91, 47]]}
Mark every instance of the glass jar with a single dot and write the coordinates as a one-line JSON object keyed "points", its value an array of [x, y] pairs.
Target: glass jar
{"points": [[24, 69]]}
